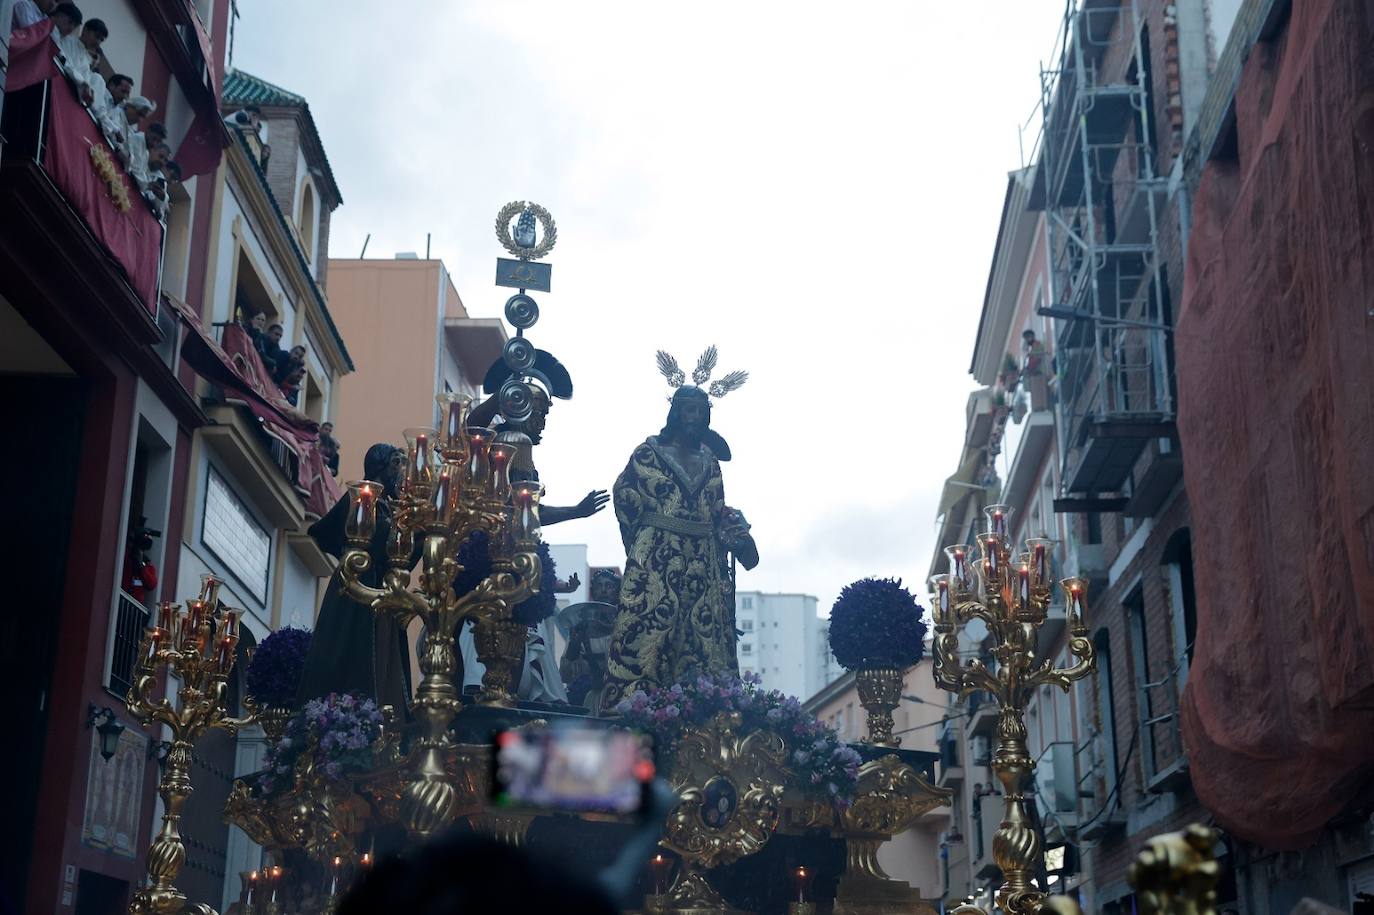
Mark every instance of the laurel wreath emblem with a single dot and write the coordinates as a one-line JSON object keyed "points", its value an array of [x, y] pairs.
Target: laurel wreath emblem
{"points": [[503, 235]]}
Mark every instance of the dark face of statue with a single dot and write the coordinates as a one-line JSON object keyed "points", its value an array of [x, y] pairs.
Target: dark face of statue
{"points": [[386, 464], [539, 415], [693, 418]]}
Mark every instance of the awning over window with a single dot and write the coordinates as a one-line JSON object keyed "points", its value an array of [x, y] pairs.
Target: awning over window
{"points": [[236, 367]]}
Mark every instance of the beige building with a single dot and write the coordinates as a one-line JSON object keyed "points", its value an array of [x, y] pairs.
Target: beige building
{"points": [[410, 337], [912, 856]]}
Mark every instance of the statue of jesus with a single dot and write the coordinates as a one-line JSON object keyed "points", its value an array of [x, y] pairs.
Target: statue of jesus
{"points": [[676, 613]]}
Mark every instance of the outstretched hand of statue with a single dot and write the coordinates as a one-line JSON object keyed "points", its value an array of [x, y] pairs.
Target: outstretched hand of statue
{"points": [[592, 503]]}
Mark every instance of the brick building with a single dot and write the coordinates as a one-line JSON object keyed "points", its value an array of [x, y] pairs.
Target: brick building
{"points": [[1277, 306]]}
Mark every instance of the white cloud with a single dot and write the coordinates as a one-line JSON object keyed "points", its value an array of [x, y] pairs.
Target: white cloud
{"points": [[813, 187]]}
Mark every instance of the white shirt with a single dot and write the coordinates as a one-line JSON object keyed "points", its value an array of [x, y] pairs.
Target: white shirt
{"points": [[137, 146], [26, 13], [102, 100], [77, 60]]}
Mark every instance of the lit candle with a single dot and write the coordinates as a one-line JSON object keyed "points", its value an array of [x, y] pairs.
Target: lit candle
{"points": [[276, 881], [525, 499], [802, 879], [166, 616], [441, 496], [961, 569], [479, 440], [998, 517], [191, 625], [453, 408], [209, 589], [942, 603], [499, 457], [154, 645], [334, 883], [660, 869], [994, 556], [225, 658], [1023, 586], [252, 885], [1076, 593], [362, 514]]}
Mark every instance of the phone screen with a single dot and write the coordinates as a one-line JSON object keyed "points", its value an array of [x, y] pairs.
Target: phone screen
{"points": [[573, 769]]}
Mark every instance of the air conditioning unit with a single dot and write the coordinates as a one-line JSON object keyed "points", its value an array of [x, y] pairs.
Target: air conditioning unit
{"points": [[981, 748]]}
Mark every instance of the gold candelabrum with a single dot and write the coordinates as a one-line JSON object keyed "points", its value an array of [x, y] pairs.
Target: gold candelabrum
{"points": [[456, 483], [1011, 593], [196, 647]]}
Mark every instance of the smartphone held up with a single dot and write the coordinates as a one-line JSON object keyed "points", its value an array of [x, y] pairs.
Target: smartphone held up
{"points": [[573, 769]]}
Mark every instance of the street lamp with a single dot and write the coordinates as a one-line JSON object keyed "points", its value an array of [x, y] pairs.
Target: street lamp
{"points": [[108, 727]]}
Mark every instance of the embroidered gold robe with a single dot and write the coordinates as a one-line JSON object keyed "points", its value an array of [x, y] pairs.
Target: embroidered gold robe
{"points": [[676, 615]]}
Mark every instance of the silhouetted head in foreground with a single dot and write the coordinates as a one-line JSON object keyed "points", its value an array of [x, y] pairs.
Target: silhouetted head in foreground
{"points": [[462, 872]]}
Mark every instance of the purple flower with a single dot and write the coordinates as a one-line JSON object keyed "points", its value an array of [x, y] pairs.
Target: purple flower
{"points": [[876, 623], [274, 674]]}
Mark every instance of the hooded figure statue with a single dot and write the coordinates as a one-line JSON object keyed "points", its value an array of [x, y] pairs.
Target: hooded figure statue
{"points": [[353, 649], [676, 610]]}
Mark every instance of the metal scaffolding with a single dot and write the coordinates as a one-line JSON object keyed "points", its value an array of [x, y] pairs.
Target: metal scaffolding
{"points": [[1096, 182]]}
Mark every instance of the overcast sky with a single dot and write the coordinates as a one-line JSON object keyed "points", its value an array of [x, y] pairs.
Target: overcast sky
{"points": [[813, 187]]}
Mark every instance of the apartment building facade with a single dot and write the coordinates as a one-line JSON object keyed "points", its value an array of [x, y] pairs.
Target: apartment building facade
{"points": [[1090, 259], [784, 642], [101, 412]]}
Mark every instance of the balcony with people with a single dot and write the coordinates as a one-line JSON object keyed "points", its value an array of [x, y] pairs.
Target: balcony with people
{"points": [[88, 164]]}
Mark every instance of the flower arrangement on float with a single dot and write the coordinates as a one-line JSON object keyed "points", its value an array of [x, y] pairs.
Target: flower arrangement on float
{"points": [[877, 631], [337, 731], [877, 623], [274, 676], [815, 754]]}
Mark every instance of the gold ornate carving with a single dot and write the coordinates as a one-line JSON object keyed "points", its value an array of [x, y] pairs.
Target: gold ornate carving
{"points": [[198, 648], [1013, 601], [440, 504], [1177, 873], [730, 791], [880, 689], [890, 796]]}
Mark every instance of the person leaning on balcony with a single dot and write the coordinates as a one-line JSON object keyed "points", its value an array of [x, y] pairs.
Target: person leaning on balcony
{"points": [[65, 18], [291, 385], [329, 447], [129, 142], [155, 175], [143, 158], [109, 94], [81, 56], [30, 12], [287, 365], [271, 350]]}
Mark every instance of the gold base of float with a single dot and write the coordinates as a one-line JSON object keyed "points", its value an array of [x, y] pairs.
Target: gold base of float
{"points": [[324, 819]]}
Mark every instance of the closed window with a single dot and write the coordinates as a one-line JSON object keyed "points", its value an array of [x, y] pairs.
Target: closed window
{"points": [[746, 625], [229, 530]]}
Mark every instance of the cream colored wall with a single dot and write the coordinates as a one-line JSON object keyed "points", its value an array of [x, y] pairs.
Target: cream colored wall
{"points": [[387, 311]]}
